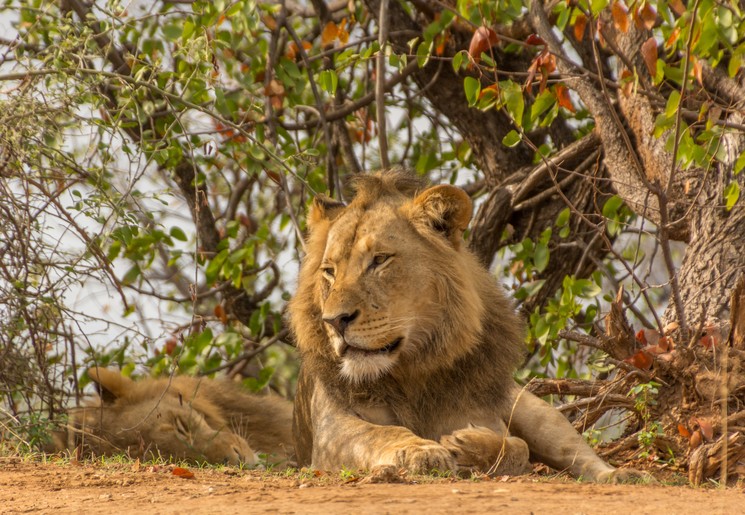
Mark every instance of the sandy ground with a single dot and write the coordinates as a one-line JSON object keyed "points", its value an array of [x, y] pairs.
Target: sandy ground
{"points": [[33, 487]]}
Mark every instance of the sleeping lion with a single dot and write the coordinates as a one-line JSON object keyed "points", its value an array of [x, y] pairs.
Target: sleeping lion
{"points": [[183, 417], [409, 346]]}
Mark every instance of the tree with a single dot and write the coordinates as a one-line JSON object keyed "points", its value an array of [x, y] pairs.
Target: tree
{"points": [[167, 153]]}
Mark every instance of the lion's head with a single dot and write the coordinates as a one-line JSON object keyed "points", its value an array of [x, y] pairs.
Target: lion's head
{"points": [[157, 418], [386, 286]]}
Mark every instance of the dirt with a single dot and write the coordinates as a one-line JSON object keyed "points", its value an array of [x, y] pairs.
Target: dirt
{"points": [[34, 487]]}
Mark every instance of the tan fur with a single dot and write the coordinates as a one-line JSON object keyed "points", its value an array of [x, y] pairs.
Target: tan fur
{"points": [[406, 340], [182, 418]]}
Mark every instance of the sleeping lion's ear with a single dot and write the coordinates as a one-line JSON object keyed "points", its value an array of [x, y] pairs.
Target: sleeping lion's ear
{"points": [[110, 384], [324, 208], [446, 209]]}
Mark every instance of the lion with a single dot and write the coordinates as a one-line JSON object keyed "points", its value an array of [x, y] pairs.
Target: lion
{"points": [[183, 418], [408, 345]]}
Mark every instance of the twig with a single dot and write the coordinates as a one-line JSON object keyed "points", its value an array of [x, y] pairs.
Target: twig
{"points": [[380, 84]]}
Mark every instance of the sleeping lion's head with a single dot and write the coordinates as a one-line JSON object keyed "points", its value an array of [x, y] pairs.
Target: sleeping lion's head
{"points": [[386, 286]]}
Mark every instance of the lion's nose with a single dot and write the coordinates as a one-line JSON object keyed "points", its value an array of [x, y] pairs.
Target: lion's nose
{"points": [[341, 322]]}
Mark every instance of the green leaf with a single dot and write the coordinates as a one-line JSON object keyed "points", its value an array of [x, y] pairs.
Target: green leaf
{"points": [[672, 104], [131, 275], [458, 60], [512, 96], [543, 102], [731, 194], [740, 163], [177, 234], [540, 258], [328, 81], [423, 51], [611, 206], [472, 86], [511, 139]]}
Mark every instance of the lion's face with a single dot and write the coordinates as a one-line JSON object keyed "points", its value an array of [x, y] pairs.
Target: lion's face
{"points": [[389, 279], [377, 296], [155, 418]]}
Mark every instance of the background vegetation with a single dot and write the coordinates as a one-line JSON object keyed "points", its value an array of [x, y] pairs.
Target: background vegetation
{"points": [[156, 159]]}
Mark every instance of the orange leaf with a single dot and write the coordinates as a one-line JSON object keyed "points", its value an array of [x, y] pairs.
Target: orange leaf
{"points": [[562, 97], [698, 70], [647, 16], [342, 34], [677, 6], [183, 473], [220, 313], [579, 27], [683, 431], [620, 16], [329, 33], [269, 21], [649, 53], [483, 39], [441, 41], [673, 37]]}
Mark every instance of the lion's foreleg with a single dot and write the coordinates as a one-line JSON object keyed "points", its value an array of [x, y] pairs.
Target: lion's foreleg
{"points": [[552, 439], [341, 439]]}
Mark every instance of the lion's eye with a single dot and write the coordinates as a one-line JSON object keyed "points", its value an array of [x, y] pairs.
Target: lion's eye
{"points": [[379, 259], [328, 271]]}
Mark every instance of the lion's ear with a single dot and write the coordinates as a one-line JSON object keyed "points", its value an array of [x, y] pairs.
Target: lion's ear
{"points": [[446, 209], [324, 208], [110, 384]]}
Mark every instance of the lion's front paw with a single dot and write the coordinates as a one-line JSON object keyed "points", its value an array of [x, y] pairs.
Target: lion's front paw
{"points": [[481, 449], [424, 456]]}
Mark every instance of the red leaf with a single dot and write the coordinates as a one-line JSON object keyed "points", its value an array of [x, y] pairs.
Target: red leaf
{"points": [[562, 97], [183, 473], [579, 27], [704, 425], [649, 53], [535, 40], [641, 337], [620, 16], [641, 360], [483, 39]]}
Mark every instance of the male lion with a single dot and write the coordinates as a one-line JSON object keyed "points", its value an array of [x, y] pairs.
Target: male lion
{"points": [[408, 345], [183, 418]]}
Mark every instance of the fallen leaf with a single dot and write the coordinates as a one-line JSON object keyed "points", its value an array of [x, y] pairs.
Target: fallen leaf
{"points": [[683, 431], [620, 16], [696, 439], [483, 39], [649, 53], [705, 426], [136, 465], [183, 473]]}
